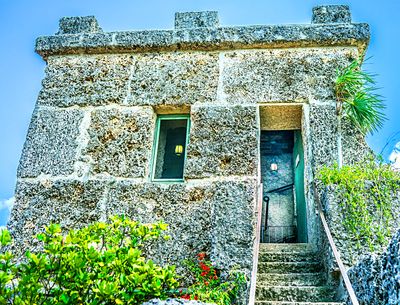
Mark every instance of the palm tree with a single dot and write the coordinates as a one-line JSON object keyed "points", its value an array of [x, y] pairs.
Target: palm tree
{"points": [[357, 100]]}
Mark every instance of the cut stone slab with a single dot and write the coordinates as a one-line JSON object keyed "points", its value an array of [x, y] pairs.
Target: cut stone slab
{"points": [[120, 141], [282, 75], [85, 80], [223, 141], [70, 203], [75, 25], [174, 78], [51, 144]]}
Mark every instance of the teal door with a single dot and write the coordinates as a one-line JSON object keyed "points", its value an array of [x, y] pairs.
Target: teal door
{"points": [[298, 165]]}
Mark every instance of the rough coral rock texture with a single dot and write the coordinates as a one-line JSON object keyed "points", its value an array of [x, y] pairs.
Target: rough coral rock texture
{"points": [[88, 151], [323, 132], [85, 80], [51, 145], [216, 218], [376, 278], [74, 25], [174, 78], [119, 141], [223, 141], [282, 75], [71, 203]]}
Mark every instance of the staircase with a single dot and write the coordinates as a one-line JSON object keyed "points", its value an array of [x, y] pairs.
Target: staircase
{"points": [[291, 274]]}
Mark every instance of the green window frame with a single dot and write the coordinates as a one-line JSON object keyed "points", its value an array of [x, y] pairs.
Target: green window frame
{"points": [[155, 158]]}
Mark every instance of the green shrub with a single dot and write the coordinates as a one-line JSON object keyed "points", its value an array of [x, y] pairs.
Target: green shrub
{"points": [[99, 264], [208, 286], [365, 193]]}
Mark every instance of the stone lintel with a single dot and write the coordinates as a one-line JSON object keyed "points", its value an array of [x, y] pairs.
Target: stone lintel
{"points": [[204, 19], [76, 25], [206, 38], [331, 14]]}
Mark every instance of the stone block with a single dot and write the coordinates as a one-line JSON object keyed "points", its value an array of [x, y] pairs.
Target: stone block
{"points": [[234, 224], [354, 146], [223, 141], [70, 203], [185, 208], [76, 25], [85, 80], [196, 19], [120, 141], [143, 39], [174, 78], [331, 14], [282, 75], [214, 217], [323, 133], [51, 146]]}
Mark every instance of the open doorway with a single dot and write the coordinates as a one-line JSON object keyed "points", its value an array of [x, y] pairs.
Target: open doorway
{"points": [[282, 171]]}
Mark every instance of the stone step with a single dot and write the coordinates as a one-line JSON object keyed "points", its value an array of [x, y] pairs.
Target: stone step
{"points": [[290, 279], [269, 256], [295, 303], [289, 267], [296, 294], [301, 247]]}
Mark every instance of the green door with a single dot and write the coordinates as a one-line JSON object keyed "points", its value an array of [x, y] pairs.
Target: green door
{"points": [[298, 165]]}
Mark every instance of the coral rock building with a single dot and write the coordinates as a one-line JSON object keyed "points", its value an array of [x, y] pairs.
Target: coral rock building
{"points": [[190, 126]]}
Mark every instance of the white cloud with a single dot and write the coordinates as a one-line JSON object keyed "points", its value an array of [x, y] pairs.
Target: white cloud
{"points": [[395, 156], [7, 203]]}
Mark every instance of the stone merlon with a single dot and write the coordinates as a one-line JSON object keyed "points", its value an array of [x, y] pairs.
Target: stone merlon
{"points": [[331, 26]]}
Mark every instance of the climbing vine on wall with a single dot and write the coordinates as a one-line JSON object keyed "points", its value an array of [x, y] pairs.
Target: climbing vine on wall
{"points": [[365, 192]]}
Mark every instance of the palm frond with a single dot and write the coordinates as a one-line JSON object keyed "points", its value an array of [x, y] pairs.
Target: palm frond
{"points": [[357, 99]]}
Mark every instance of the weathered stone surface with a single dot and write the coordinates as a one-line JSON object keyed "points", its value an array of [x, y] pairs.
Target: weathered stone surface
{"points": [[70, 203], [75, 25], [233, 224], [174, 78], [376, 278], [85, 80], [354, 146], [323, 132], [173, 302], [216, 218], [196, 19], [120, 141], [187, 210], [223, 141], [206, 38], [331, 14], [50, 147], [282, 75]]}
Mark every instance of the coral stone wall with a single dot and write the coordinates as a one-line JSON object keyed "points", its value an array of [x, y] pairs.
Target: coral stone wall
{"points": [[375, 278], [88, 150]]}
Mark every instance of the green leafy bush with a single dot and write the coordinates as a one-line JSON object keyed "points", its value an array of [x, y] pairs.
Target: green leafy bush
{"points": [[208, 285], [99, 264], [365, 194]]}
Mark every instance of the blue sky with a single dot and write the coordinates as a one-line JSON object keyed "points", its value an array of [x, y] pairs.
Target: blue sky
{"points": [[22, 70]]}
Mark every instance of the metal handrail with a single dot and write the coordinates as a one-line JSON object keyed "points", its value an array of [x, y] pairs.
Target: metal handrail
{"points": [[336, 253], [266, 199]]}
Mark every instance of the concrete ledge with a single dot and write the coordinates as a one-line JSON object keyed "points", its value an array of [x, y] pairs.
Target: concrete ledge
{"points": [[208, 38]]}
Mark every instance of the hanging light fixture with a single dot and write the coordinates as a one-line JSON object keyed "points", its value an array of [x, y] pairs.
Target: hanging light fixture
{"points": [[178, 150], [274, 166]]}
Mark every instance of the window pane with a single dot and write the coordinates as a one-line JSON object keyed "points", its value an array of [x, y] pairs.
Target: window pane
{"points": [[170, 155]]}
